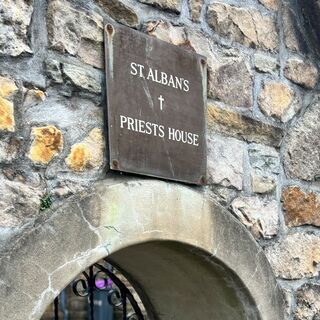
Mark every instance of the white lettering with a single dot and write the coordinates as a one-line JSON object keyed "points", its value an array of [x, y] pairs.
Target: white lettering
{"points": [[186, 85], [150, 75], [161, 77], [123, 120], [133, 69]]}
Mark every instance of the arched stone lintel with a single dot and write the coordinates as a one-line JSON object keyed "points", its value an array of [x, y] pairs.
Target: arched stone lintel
{"points": [[114, 215]]}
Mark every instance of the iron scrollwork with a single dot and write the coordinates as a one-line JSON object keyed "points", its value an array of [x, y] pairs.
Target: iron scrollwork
{"points": [[101, 278]]}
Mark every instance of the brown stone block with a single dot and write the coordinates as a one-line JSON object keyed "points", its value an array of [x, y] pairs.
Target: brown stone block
{"points": [[47, 143], [6, 115], [300, 207], [87, 154], [240, 126]]}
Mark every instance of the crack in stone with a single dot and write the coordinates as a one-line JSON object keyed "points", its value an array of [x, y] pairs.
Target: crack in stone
{"points": [[77, 258]]}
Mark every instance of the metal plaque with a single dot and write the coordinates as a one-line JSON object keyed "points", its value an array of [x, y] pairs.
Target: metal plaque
{"points": [[156, 95]]}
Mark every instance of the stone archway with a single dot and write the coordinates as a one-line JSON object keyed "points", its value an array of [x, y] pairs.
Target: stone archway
{"points": [[162, 235]]}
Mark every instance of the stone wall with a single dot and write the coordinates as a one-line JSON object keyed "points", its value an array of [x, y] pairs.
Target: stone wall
{"points": [[263, 114]]}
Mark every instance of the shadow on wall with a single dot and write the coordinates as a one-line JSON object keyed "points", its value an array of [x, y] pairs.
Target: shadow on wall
{"points": [[307, 16]]}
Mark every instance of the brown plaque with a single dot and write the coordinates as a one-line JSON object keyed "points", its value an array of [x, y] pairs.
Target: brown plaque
{"points": [[156, 95]]}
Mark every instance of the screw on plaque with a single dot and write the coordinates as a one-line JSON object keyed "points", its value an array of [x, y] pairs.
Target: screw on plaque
{"points": [[203, 180], [109, 29], [115, 164]]}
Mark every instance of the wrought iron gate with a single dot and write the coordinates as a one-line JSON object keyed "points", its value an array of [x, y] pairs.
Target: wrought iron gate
{"points": [[103, 280]]}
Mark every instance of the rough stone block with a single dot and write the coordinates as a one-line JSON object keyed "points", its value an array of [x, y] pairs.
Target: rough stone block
{"points": [[84, 78], [165, 31], [294, 39], [301, 208], [270, 4], [7, 122], [246, 26], [307, 302], [278, 100], [18, 202], [260, 216], [262, 184], [15, 18], [77, 32], [195, 7], [230, 80], [9, 149], [7, 90], [224, 66], [264, 63], [225, 162], [171, 5], [264, 159], [33, 97], [88, 154], [301, 72], [120, 12], [242, 127], [47, 143], [302, 147], [295, 256]]}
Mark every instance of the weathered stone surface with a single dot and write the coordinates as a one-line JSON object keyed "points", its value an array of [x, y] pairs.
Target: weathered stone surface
{"points": [[293, 40], [167, 32], [296, 256], [88, 154], [74, 116], [53, 68], [18, 201], [47, 143], [83, 78], [265, 164], [9, 149], [120, 12], [225, 67], [33, 97], [172, 5], [260, 216], [7, 122], [308, 302], [289, 302], [302, 148], [278, 100], [15, 17], [262, 184], [225, 162], [246, 26], [242, 127], [263, 159], [231, 70], [302, 72], [270, 4], [301, 207], [7, 90], [264, 63], [195, 9], [76, 32]]}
